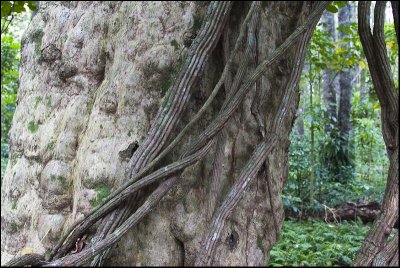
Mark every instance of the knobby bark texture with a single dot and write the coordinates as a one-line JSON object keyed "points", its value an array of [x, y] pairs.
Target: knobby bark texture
{"points": [[377, 249], [107, 91]]}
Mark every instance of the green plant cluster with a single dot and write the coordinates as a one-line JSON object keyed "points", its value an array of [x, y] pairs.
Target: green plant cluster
{"points": [[9, 8], [346, 168], [14, 20], [9, 82], [317, 243]]}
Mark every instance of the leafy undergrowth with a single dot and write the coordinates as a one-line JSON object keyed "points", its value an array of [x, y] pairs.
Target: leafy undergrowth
{"points": [[317, 243]]}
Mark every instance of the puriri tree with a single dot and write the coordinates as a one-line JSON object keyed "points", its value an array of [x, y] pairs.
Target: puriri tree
{"points": [[153, 133]]}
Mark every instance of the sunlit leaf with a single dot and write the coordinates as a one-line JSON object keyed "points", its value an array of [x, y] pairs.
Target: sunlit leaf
{"points": [[32, 5], [5, 8], [332, 9]]}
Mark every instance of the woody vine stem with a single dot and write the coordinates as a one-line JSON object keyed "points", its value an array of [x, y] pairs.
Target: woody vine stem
{"points": [[121, 210]]}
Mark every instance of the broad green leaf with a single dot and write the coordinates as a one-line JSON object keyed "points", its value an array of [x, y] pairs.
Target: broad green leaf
{"points": [[32, 5], [19, 6], [332, 9], [339, 4], [5, 8]]}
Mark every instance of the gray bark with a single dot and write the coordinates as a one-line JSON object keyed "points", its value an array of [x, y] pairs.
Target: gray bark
{"points": [[345, 77], [329, 78], [344, 113]]}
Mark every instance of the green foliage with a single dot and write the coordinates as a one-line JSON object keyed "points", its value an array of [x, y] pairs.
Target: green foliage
{"points": [[335, 6], [10, 49], [316, 243], [101, 193], [336, 159], [393, 50], [9, 82], [332, 9], [9, 8], [326, 54], [371, 158], [342, 172]]}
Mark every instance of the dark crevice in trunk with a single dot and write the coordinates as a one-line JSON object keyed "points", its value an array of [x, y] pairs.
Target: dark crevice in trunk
{"points": [[181, 247]]}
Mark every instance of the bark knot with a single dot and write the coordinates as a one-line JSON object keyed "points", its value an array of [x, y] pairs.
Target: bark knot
{"points": [[233, 240]]}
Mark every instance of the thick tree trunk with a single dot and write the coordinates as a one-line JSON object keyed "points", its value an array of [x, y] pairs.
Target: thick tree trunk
{"points": [[93, 75]]}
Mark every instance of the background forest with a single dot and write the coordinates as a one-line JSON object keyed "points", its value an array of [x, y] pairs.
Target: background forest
{"points": [[337, 153]]}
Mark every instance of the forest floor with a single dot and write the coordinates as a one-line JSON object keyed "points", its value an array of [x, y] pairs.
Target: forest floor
{"points": [[318, 243]]}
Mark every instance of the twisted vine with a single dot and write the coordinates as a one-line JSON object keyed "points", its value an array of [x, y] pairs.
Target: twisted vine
{"points": [[170, 112]]}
